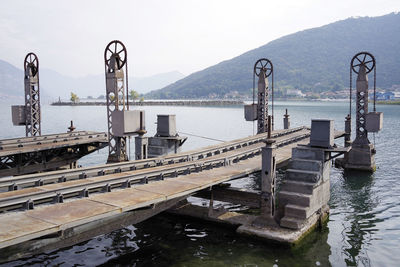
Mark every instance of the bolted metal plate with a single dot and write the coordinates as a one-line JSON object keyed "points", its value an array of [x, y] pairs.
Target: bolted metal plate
{"points": [[129, 199], [73, 213], [169, 188], [18, 227]]}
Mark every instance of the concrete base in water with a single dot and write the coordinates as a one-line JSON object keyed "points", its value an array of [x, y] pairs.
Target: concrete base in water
{"points": [[360, 158], [246, 225], [285, 235]]}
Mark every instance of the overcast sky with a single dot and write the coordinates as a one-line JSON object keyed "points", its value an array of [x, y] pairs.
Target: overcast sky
{"points": [[70, 36]]}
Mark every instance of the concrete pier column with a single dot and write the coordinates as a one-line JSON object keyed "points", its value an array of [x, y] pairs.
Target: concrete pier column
{"points": [[362, 153], [286, 121], [269, 128], [347, 130], [268, 177], [141, 146]]}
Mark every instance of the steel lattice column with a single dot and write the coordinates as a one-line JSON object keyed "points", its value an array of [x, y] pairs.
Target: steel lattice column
{"points": [[262, 105], [263, 68], [32, 97], [362, 106], [115, 57]]}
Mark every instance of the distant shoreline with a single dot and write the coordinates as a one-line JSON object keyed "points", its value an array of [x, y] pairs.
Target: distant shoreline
{"points": [[158, 103], [388, 102]]}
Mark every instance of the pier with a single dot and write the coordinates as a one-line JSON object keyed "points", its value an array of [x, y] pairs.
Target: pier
{"points": [[42, 211], [191, 103], [72, 206]]}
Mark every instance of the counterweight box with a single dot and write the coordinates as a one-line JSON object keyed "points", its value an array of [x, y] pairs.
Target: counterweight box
{"points": [[250, 112], [374, 122], [127, 122], [18, 115], [166, 125], [322, 133]]}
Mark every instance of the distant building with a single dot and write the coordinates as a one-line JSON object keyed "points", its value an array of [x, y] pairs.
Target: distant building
{"points": [[295, 93], [383, 95]]}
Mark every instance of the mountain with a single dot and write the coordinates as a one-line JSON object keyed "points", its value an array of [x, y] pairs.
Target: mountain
{"points": [[54, 84], [146, 84], [11, 80], [314, 60]]}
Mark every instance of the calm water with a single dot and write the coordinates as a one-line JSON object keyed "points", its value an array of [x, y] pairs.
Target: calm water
{"points": [[363, 228]]}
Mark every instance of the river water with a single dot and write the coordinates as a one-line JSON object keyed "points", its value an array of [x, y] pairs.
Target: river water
{"points": [[363, 227]]}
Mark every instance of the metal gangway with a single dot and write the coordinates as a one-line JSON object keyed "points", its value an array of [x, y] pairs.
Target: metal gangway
{"points": [[49, 210]]}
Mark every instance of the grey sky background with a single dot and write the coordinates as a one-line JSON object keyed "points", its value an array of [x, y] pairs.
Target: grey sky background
{"points": [[184, 35]]}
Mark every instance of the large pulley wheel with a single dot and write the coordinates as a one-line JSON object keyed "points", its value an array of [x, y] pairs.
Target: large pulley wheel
{"points": [[363, 58], [263, 64], [115, 49], [31, 63]]}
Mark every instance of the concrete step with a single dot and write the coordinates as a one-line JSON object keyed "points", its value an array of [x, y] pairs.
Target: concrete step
{"points": [[308, 153], [297, 211], [295, 198], [301, 175], [305, 165], [298, 187], [291, 222]]}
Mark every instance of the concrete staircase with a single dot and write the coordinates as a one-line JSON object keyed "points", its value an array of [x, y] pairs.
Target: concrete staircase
{"points": [[303, 190]]}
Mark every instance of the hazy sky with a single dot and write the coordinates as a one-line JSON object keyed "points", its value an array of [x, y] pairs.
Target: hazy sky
{"points": [[160, 36]]}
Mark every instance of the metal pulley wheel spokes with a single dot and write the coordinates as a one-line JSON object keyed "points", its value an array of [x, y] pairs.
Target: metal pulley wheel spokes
{"points": [[115, 49], [363, 58], [31, 63], [264, 64]]}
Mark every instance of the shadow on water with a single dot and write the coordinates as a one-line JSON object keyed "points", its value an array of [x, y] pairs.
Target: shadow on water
{"points": [[358, 197], [169, 240]]}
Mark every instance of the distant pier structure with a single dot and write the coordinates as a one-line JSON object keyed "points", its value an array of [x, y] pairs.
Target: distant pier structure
{"points": [[37, 152], [263, 69], [124, 123], [121, 122], [29, 114], [362, 153]]}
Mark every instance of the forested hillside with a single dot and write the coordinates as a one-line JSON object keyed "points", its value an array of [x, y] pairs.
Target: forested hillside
{"points": [[311, 60]]}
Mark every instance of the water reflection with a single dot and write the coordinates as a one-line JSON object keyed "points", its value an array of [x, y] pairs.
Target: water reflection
{"points": [[175, 241], [359, 199]]}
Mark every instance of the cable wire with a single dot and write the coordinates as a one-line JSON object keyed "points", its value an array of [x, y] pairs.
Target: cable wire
{"points": [[209, 138]]}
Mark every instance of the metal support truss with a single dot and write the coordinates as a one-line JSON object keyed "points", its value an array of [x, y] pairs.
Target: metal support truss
{"points": [[362, 64], [263, 68], [32, 97], [44, 160], [115, 57]]}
